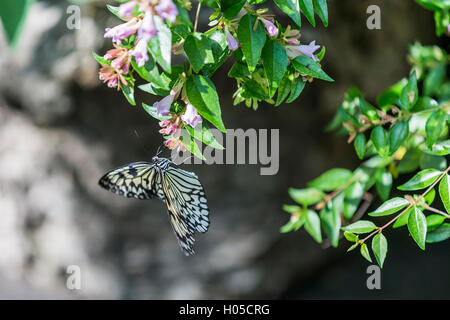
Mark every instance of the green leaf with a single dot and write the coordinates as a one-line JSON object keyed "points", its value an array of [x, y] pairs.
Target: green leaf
{"points": [[440, 234], [361, 226], [365, 252], [152, 111], [283, 90], [380, 248], [306, 65], [353, 196], [331, 222], [198, 50], [220, 52], [101, 60], [398, 135], [275, 62], [149, 72], [306, 197], [12, 15], [306, 6], [192, 146], [332, 179], [161, 46], [128, 92], [204, 134], [417, 226], [351, 236], [320, 6], [296, 89], [440, 149], [434, 79], [421, 180], [428, 161], [379, 138], [410, 93], [392, 94], [444, 192], [383, 183], [434, 126], [312, 225], [115, 11], [434, 221], [202, 93], [389, 207], [360, 145], [290, 7], [291, 209], [403, 219], [231, 8], [251, 39], [368, 110]]}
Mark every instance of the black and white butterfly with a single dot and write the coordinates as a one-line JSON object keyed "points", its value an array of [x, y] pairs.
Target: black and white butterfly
{"points": [[179, 189]]}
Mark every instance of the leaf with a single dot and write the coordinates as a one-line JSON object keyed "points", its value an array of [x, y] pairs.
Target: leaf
{"points": [[440, 149], [306, 6], [365, 252], [351, 236], [283, 90], [434, 79], [410, 93], [204, 134], [380, 248], [312, 225], [220, 52], [115, 11], [152, 111], [434, 221], [231, 8], [417, 226], [392, 94], [368, 110], [296, 89], [192, 146], [353, 196], [331, 222], [403, 219], [12, 15], [442, 233], [291, 8], [398, 135], [101, 60], [444, 192], [198, 50], [306, 197], [389, 207], [360, 145], [128, 92], [251, 39], [332, 179], [428, 161], [150, 73], [275, 62], [320, 6], [379, 138], [161, 46], [291, 209], [434, 126], [361, 226], [383, 184], [306, 65], [202, 93], [421, 180]]}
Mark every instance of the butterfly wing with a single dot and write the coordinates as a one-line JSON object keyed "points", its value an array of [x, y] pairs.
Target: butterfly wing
{"points": [[137, 180]]}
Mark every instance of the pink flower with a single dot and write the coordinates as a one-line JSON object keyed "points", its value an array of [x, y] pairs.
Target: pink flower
{"points": [[191, 116], [127, 8], [167, 10], [111, 76], [147, 29], [305, 50], [231, 41], [140, 53], [272, 30], [163, 106], [122, 31]]}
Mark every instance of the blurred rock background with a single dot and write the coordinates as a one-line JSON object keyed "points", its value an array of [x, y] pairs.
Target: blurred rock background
{"points": [[61, 129]]}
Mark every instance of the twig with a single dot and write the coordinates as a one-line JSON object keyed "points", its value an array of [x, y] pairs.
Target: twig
{"points": [[412, 204], [437, 211], [197, 15]]}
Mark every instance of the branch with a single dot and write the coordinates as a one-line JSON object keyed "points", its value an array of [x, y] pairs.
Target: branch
{"points": [[197, 15]]}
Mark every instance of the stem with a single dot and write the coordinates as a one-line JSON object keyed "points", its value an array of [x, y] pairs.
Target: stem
{"points": [[412, 204], [333, 194], [438, 211], [197, 15]]}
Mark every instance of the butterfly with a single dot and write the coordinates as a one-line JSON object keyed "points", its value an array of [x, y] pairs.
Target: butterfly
{"points": [[181, 191]]}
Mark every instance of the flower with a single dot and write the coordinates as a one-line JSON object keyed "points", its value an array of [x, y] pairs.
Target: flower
{"points": [[140, 53], [126, 9], [272, 30], [120, 59], [111, 76], [305, 50], [147, 28], [122, 31], [172, 127], [191, 116], [231, 41], [167, 10], [163, 106]]}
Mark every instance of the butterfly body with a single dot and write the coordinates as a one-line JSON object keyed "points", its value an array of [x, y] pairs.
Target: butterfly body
{"points": [[181, 191]]}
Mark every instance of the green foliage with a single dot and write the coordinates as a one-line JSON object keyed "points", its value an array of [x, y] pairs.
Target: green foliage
{"points": [[12, 16]]}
